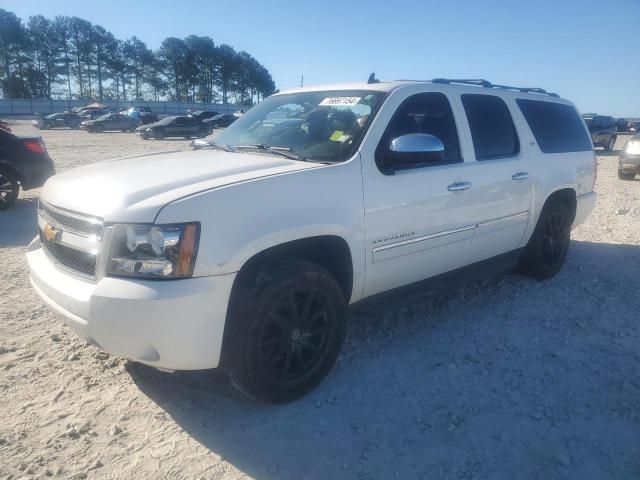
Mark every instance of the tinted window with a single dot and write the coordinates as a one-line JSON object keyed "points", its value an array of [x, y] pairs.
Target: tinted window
{"points": [[426, 113], [557, 127], [492, 129]]}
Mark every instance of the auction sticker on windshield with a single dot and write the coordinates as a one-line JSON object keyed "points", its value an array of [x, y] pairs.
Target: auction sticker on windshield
{"points": [[333, 101]]}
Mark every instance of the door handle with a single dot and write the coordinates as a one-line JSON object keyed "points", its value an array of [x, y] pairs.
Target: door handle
{"points": [[520, 176], [459, 186]]}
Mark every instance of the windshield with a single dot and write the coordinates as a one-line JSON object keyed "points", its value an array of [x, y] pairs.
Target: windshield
{"points": [[104, 117], [325, 126], [165, 121]]}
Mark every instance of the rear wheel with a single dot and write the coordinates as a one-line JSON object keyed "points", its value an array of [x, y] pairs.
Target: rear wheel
{"points": [[202, 133], [9, 189], [611, 144], [547, 249], [626, 176], [285, 332]]}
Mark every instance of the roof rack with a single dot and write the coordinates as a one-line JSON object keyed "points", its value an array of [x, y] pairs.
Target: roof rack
{"points": [[481, 82]]}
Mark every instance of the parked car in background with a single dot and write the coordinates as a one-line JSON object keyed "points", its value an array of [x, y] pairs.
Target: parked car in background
{"points": [[58, 120], [233, 256], [203, 114], [603, 130], [179, 126], [111, 122], [92, 111], [143, 114], [5, 126], [629, 159], [221, 121], [24, 162], [623, 125]]}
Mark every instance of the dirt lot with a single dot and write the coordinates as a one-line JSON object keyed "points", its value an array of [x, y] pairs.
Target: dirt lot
{"points": [[508, 378]]}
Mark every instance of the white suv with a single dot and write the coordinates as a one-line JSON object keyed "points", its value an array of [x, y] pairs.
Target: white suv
{"points": [[245, 252]]}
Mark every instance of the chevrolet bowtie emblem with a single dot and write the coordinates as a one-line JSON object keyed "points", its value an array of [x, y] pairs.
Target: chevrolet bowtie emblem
{"points": [[50, 233]]}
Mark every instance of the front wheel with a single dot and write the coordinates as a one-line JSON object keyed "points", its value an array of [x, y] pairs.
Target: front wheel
{"points": [[9, 189], [159, 134], [202, 133], [626, 176], [98, 129], [285, 332], [547, 249]]}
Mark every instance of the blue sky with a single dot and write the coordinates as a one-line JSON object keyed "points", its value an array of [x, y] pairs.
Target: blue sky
{"points": [[586, 50]]}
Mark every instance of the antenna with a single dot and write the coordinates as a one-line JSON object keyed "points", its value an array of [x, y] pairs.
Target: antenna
{"points": [[372, 78], [302, 80]]}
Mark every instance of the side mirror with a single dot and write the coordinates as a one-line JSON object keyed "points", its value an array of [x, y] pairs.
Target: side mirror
{"points": [[414, 149]]}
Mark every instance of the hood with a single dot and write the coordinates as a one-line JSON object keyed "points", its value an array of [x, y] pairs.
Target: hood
{"points": [[134, 189]]}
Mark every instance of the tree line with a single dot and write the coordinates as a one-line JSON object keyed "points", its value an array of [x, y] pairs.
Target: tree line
{"points": [[71, 58]]}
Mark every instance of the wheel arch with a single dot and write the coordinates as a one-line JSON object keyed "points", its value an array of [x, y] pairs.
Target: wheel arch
{"points": [[331, 252], [565, 195]]}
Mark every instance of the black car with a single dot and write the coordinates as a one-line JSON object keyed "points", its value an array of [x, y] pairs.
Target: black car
{"points": [[58, 120], [603, 130], [203, 114], [623, 125], [111, 121], [221, 121], [186, 127], [24, 162]]}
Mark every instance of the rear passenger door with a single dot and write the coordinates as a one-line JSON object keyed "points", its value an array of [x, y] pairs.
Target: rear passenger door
{"points": [[500, 175]]}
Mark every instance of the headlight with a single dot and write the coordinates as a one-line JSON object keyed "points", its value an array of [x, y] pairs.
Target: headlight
{"points": [[153, 251], [633, 147]]}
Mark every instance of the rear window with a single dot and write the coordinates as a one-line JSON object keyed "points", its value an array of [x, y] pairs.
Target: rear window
{"points": [[557, 127], [492, 129]]}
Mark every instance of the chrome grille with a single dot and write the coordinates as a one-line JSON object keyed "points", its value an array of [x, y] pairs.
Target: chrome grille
{"points": [[76, 260], [72, 241], [75, 222]]}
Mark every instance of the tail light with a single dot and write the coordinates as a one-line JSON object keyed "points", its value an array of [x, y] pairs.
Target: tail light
{"points": [[595, 171], [36, 146]]}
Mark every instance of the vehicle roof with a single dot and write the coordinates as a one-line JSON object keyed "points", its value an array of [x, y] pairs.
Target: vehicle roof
{"points": [[452, 86]]}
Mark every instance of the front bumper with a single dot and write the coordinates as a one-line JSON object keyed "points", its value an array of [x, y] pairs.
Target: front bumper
{"points": [[584, 206], [171, 324], [629, 163]]}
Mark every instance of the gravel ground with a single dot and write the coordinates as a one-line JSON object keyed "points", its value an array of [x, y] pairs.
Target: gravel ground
{"points": [[505, 378]]}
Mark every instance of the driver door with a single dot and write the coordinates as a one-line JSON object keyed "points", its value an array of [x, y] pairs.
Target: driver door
{"points": [[419, 220]]}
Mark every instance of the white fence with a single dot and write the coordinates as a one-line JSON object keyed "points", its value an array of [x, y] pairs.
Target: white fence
{"points": [[26, 106]]}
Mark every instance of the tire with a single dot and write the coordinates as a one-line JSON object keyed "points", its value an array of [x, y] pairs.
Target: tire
{"points": [[159, 134], [46, 126], [547, 249], [610, 145], [98, 129], [626, 176], [75, 126], [202, 133], [9, 189], [284, 332]]}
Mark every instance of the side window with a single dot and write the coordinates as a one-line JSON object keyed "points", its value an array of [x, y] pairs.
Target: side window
{"points": [[426, 113], [557, 127], [492, 129]]}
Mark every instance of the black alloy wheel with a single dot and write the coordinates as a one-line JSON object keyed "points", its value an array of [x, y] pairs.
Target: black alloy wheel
{"points": [[9, 189], [554, 238], [295, 336], [284, 331]]}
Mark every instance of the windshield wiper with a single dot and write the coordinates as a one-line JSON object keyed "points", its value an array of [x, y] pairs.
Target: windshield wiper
{"points": [[216, 145], [281, 151]]}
